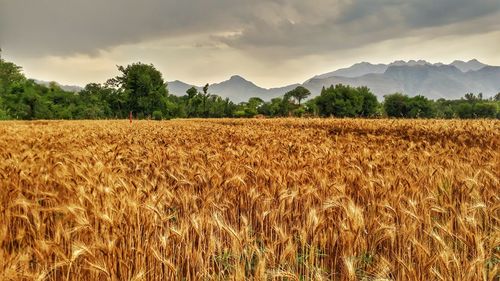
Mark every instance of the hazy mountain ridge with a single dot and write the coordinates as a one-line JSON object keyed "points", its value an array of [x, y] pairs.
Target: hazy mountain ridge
{"points": [[68, 88], [433, 80], [357, 70], [363, 68], [473, 65], [237, 89]]}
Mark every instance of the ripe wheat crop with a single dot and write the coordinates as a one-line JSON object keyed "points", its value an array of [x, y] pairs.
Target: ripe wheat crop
{"points": [[250, 200]]}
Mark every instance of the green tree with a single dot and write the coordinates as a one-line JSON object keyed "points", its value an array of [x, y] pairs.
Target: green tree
{"points": [[193, 102], [96, 102], [299, 93], [276, 107], [10, 76], [312, 107], [471, 97], [252, 106], [485, 110], [345, 101], [497, 97], [174, 107], [3, 112], [205, 89], [157, 115], [229, 107], [370, 102], [143, 88], [465, 111], [397, 105], [204, 101], [421, 107], [191, 92]]}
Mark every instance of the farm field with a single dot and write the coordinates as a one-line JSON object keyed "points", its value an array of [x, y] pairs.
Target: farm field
{"points": [[231, 199]]}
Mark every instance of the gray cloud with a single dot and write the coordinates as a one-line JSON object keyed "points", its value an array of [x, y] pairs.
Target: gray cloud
{"points": [[268, 28], [362, 22], [432, 13], [65, 27]]}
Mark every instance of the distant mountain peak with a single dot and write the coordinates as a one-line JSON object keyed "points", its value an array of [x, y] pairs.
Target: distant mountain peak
{"points": [[363, 63], [237, 78], [471, 65], [409, 63], [470, 61], [178, 81], [237, 88]]}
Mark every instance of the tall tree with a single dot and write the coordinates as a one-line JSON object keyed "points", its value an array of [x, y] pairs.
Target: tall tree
{"points": [[144, 88], [370, 102], [205, 100], [10, 76], [191, 92], [299, 93]]}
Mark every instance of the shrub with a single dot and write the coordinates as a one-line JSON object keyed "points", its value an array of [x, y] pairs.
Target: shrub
{"points": [[157, 115]]}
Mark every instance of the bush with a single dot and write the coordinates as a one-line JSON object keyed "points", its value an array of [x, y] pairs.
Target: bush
{"points": [[397, 105], [465, 111], [447, 113], [4, 115], [485, 110], [239, 114], [157, 115], [299, 112]]}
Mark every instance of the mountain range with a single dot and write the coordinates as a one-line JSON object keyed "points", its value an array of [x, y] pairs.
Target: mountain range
{"points": [[438, 80]]}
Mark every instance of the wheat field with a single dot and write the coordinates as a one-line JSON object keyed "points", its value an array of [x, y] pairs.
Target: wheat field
{"points": [[284, 199]]}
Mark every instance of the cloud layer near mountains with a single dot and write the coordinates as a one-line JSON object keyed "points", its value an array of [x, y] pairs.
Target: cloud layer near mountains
{"points": [[258, 27]]}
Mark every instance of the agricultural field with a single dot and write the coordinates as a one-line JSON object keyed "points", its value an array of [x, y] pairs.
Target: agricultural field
{"points": [[230, 199]]}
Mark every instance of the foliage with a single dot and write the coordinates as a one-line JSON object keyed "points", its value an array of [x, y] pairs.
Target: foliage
{"points": [[370, 102], [346, 101], [204, 104], [401, 106], [299, 93], [420, 107], [10, 76], [3, 112], [157, 115], [471, 106], [143, 87], [397, 105]]}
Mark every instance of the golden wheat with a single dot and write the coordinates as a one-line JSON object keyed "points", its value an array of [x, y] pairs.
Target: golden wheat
{"points": [[284, 199]]}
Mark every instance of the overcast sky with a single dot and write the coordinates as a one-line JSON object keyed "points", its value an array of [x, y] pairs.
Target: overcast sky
{"points": [[272, 42]]}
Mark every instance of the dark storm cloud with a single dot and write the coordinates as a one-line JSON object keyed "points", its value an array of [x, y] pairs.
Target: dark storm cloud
{"points": [[64, 27], [295, 27], [431, 13], [360, 22]]}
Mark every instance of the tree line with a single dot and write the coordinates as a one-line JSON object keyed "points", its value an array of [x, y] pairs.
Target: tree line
{"points": [[141, 89]]}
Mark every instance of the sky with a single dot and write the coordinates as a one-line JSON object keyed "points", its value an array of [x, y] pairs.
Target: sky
{"points": [[270, 42]]}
